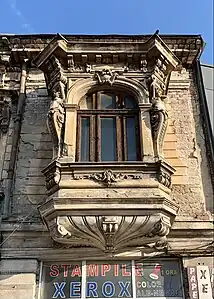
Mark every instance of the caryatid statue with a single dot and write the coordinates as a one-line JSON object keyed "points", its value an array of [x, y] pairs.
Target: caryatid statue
{"points": [[159, 117], [56, 117]]}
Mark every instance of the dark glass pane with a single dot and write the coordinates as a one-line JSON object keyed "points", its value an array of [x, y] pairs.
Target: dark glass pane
{"points": [[107, 101], [130, 103], [131, 139], [108, 139], [85, 126]]}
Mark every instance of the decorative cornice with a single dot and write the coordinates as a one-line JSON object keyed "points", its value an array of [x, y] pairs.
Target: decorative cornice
{"points": [[151, 50], [196, 235], [18, 47]]}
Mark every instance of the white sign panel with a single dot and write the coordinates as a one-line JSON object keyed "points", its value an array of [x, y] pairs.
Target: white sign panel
{"points": [[204, 283]]}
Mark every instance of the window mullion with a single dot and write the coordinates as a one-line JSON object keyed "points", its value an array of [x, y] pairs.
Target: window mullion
{"points": [[119, 138], [98, 137], [83, 283], [94, 101], [78, 141], [92, 138], [125, 150], [97, 125], [98, 100], [138, 148]]}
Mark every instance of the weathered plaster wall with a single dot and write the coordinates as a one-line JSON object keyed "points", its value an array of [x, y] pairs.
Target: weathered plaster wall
{"points": [[18, 279], [6, 140], [35, 149], [185, 149]]}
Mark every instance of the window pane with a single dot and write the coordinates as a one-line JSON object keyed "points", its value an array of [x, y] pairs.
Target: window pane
{"points": [[131, 139], [85, 126], [107, 101], [86, 103], [108, 139], [130, 103], [112, 279]]}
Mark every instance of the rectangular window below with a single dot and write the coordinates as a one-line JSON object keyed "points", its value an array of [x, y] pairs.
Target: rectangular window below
{"points": [[159, 278]]}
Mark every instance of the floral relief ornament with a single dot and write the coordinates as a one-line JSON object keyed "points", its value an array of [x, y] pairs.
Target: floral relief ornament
{"points": [[107, 177]]}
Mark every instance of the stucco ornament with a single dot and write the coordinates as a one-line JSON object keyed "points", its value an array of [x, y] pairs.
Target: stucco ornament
{"points": [[5, 114], [106, 76], [159, 116], [165, 179], [107, 177], [2, 77], [159, 121], [110, 233], [55, 121]]}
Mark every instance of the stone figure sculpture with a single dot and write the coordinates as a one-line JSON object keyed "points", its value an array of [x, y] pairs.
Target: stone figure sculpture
{"points": [[56, 116]]}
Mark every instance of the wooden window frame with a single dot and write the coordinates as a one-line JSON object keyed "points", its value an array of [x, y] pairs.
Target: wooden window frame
{"points": [[95, 116]]}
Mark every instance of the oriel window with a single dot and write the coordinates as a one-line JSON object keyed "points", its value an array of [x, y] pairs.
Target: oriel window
{"points": [[107, 128]]}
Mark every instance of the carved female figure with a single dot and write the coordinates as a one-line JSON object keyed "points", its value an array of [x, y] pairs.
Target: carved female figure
{"points": [[56, 117]]}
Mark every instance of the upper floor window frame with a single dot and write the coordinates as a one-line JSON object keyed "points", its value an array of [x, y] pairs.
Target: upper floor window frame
{"points": [[122, 120]]}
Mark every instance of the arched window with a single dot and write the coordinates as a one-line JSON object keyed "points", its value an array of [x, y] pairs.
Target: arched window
{"points": [[107, 128]]}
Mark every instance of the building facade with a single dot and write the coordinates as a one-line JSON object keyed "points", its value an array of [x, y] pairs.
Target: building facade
{"points": [[106, 168]]}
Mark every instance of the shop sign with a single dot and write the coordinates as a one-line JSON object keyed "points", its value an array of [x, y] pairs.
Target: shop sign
{"points": [[162, 279], [193, 283], [121, 279], [200, 282], [211, 268], [204, 283]]}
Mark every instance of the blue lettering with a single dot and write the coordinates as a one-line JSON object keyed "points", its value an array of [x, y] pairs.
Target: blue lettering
{"points": [[59, 290], [92, 289], [108, 289], [75, 289], [124, 292]]}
